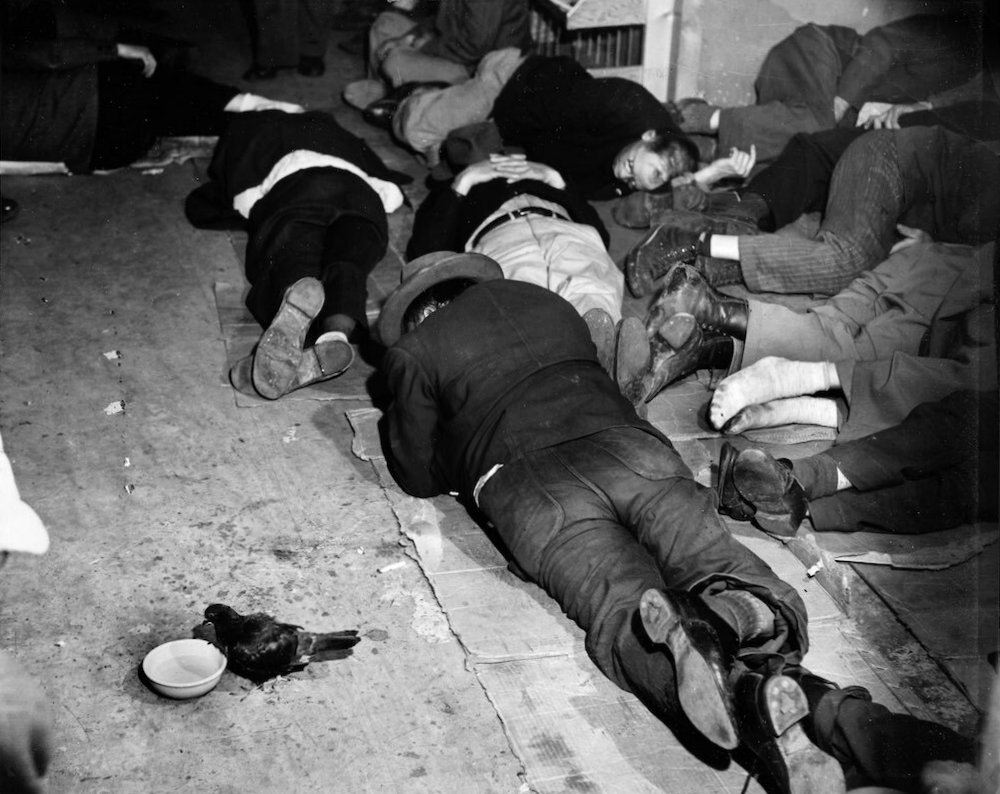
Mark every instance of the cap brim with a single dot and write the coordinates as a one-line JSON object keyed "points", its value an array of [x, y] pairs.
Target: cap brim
{"points": [[424, 273]]}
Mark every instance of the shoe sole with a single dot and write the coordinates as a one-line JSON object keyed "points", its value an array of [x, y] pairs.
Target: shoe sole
{"points": [[632, 358], [702, 694], [279, 352], [810, 770], [324, 362], [602, 334]]}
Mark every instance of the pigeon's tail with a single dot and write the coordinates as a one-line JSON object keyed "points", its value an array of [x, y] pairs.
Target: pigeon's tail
{"points": [[324, 647]]}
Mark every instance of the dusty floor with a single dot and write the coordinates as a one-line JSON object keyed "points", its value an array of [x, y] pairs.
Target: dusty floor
{"points": [[185, 498]]}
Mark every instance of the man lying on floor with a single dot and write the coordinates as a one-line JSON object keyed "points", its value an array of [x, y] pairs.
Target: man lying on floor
{"points": [[606, 136], [925, 313], [935, 470], [921, 182], [314, 199], [497, 394]]}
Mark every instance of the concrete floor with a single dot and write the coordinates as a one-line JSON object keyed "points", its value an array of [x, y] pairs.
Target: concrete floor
{"points": [[184, 499]]}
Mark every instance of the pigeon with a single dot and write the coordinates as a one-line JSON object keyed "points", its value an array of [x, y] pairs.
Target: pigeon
{"points": [[258, 647]]}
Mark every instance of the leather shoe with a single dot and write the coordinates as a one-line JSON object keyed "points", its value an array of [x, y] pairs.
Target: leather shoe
{"points": [[380, 112], [768, 484], [280, 350], [655, 254], [681, 621], [771, 712], [632, 358], [602, 333], [311, 66], [699, 351], [730, 501], [687, 291]]}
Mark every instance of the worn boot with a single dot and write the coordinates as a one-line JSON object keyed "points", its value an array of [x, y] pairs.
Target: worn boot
{"points": [[697, 351], [768, 484], [687, 291]]}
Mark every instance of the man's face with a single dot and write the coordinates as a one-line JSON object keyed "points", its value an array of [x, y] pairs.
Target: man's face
{"points": [[641, 168]]}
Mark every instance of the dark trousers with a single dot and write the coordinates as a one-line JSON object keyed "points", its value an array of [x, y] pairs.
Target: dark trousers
{"points": [[875, 746], [133, 111], [599, 520], [320, 222], [936, 469], [798, 181], [285, 30]]}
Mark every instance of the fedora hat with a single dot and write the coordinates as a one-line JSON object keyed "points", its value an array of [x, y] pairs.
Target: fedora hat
{"points": [[423, 273]]}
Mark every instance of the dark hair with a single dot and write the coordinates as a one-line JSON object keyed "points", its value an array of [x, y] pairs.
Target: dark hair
{"points": [[667, 135], [433, 298]]}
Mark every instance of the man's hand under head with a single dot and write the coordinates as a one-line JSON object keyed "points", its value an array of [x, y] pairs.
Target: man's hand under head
{"points": [[737, 164], [512, 167]]}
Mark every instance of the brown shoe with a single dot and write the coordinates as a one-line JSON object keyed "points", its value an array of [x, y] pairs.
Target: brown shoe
{"points": [[768, 484], [279, 353]]}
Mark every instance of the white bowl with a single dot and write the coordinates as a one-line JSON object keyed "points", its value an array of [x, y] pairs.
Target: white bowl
{"points": [[184, 669]]}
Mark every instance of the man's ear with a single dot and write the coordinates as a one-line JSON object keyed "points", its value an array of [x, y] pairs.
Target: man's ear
{"points": [[649, 135]]}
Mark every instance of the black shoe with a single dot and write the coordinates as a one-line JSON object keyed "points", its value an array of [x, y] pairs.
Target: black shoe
{"points": [[655, 254], [680, 621], [730, 501], [10, 209], [380, 112], [699, 351], [687, 291], [311, 66], [768, 484], [771, 712], [257, 73]]}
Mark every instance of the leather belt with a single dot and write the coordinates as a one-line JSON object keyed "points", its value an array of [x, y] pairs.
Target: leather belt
{"points": [[500, 220]]}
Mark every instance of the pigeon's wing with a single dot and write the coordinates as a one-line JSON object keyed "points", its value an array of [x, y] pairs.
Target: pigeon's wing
{"points": [[316, 647], [265, 648]]}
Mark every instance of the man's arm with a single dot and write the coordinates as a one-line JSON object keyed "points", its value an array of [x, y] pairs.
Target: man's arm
{"points": [[409, 428], [471, 33]]}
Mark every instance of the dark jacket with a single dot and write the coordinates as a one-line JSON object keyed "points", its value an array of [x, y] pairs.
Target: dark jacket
{"points": [[445, 220], [565, 117], [468, 29], [505, 369], [252, 144]]}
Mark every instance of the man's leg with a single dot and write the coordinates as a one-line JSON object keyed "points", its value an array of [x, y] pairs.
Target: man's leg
{"points": [[313, 28], [387, 27], [566, 258], [866, 200], [424, 119], [795, 89], [887, 309], [274, 39]]}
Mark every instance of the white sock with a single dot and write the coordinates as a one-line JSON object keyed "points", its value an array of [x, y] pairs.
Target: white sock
{"points": [[724, 246], [242, 103], [332, 336], [820, 411], [769, 379]]}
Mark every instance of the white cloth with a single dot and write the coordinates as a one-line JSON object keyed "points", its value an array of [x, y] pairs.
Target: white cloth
{"points": [[300, 159], [565, 257]]}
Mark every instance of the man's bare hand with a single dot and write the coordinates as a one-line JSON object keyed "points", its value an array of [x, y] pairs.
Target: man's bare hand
{"points": [[512, 167], [138, 53], [737, 164], [880, 116], [910, 236]]}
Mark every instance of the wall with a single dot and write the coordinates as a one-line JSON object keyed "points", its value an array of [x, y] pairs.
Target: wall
{"points": [[723, 42]]}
